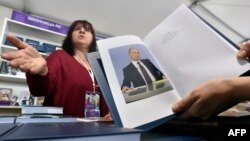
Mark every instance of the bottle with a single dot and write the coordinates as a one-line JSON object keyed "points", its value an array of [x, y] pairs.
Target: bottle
{"points": [[4, 68]]}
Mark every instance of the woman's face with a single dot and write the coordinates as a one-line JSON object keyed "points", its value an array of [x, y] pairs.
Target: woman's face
{"points": [[82, 37]]}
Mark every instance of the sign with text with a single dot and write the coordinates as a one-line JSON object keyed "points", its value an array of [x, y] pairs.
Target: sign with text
{"points": [[39, 22], [236, 131]]}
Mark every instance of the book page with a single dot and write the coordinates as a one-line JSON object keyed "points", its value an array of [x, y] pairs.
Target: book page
{"points": [[141, 103], [190, 52]]}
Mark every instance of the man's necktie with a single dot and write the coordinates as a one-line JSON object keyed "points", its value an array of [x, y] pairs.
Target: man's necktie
{"points": [[145, 74]]}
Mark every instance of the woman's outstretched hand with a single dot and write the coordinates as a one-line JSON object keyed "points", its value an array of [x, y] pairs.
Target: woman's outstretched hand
{"points": [[26, 58]]}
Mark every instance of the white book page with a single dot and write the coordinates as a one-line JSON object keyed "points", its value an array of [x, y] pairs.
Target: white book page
{"points": [[190, 52], [114, 54]]}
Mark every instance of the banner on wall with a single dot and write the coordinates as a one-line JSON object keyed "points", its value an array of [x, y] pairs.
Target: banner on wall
{"points": [[42, 23], [39, 22]]}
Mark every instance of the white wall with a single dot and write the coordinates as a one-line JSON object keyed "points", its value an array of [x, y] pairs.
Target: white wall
{"points": [[228, 16], [217, 24], [4, 13], [111, 17]]}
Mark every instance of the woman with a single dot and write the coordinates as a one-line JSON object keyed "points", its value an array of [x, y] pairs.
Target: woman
{"points": [[65, 76], [216, 95]]}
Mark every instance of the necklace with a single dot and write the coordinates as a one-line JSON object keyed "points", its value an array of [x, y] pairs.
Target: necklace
{"points": [[89, 71], [82, 63]]}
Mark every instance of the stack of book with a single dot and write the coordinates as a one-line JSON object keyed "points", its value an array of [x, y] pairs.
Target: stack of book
{"points": [[44, 118], [43, 114], [10, 111], [26, 114], [42, 110]]}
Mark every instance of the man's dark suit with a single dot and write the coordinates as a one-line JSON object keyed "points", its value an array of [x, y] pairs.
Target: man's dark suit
{"points": [[131, 74]]}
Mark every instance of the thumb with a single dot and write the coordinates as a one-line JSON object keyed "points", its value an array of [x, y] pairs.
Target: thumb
{"points": [[242, 54], [244, 51], [184, 104]]}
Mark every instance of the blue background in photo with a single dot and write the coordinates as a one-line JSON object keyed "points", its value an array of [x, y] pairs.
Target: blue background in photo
{"points": [[120, 58]]}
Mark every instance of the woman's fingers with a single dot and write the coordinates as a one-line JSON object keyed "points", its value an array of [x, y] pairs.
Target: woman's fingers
{"points": [[24, 53], [24, 49], [26, 58], [17, 62], [25, 67], [16, 42], [12, 55]]}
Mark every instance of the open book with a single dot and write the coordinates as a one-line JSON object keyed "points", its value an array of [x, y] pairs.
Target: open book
{"points": [[183, 50]]}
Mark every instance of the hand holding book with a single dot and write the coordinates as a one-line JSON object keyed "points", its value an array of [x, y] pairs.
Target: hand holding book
{"points": [[216, 95], [186, 58]]}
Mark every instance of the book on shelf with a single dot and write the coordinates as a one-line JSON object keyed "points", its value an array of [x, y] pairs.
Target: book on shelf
{"points": [[87, 131], [35, 118], [42, 110], [5, 96], [5, 103], [22, 110], [184, 49], [10, 110], [39, 45]]}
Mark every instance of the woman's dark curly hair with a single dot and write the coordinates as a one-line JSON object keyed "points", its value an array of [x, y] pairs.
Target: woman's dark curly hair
{"points": [[67, 42]]}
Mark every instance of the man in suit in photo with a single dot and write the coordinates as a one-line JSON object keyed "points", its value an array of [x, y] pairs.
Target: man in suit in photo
{"points": [[139, 72]]}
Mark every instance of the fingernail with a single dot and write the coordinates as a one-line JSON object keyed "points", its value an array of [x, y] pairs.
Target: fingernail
{"points": [[242, 53], [176, 107]]}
